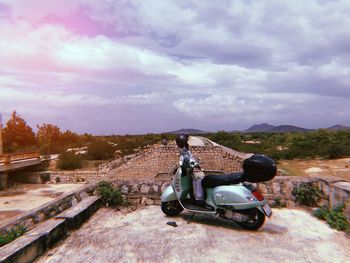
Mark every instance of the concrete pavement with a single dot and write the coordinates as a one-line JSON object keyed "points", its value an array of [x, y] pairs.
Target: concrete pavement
{"points": [[144, 236]]}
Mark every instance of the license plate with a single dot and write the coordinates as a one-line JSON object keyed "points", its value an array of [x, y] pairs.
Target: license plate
{"points": [[267, 210]]}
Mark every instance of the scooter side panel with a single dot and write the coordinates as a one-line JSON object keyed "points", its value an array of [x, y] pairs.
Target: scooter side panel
{"points": [[182, 184], [168, 194], [235, 195], [209, 200]]}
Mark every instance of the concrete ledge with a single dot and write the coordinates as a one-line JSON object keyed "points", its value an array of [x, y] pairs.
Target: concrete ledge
{"points": [[48, 210], [33, 244], [77, 214]]}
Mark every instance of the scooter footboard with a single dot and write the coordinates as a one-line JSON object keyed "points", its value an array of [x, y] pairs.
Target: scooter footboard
{"points": [[168, 194]]}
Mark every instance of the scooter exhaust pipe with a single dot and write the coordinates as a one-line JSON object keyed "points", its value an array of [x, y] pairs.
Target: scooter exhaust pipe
{"points": [[235, 216]]}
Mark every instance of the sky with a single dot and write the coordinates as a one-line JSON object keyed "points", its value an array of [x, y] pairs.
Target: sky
{"points": [[149, 66]]}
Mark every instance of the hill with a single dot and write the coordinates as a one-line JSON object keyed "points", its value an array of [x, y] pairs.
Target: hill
{"points": [[339, 128], [265, 127]]}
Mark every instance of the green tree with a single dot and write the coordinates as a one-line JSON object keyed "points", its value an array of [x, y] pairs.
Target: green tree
{"points": [[49, 138], [17, 135], [100, 150], [69, 161]]}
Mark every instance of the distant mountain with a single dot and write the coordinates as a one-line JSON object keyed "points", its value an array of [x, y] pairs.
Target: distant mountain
{"points": [[189, 131], [339, 128], [264, 127], [288, 128]]}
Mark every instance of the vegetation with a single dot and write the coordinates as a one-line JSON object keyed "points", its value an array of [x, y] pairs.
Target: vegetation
{"points": [[334, 217], [278, 202], [17, 135], [321, 143], [111, 196], [52, 140], [327, 144], [100, 150], [69, 161], [307, 194], [129, 144], [11, 235]]}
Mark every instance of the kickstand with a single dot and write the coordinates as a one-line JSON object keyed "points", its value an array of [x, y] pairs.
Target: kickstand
{"points": [[189, 221]]}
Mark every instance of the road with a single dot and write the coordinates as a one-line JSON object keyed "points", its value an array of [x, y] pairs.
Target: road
{"points": [[145, 236]]}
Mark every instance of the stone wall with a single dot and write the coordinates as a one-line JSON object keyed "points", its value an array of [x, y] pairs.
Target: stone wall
{"points": [[333, 192], [76, 176], [148, 192], [160, 160]]}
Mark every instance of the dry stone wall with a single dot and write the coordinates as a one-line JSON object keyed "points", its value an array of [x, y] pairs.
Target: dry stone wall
{"points": [[160, 160], [278, 191]]}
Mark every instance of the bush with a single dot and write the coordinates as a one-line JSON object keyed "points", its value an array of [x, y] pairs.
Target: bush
{"points": [[307, 194], [100, 150], [110, 195], [278, 202], [11, 235], [334, 217], [69, 161]]}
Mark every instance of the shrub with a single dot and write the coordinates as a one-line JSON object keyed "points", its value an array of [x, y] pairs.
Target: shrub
{"points": [[69, 161], [111, 196], [11, 235], [307, 194], [278, 202], [334, 217], [100, 150]]}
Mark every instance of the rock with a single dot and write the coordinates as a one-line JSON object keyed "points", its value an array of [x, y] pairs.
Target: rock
{"points": [[124, 189], [134, 188], [325, 189], [276, 188], [262, 188], [290, 203], [287, 188], [146, 201], [144, 189], [74, 201], [83, 195], [155, 188], [149, 202]]}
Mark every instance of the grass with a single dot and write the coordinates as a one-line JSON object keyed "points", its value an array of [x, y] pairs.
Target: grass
{"points": [[334, 217], [11, 235]]}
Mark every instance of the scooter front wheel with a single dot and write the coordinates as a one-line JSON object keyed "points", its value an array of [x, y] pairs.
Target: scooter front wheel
{"points": [[171, 208], [256, 219]]}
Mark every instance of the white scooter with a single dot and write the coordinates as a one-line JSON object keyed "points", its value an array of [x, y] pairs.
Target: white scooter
{"points": [[228, 196]]}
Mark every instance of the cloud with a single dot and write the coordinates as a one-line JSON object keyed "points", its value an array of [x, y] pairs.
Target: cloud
{"points": [[188, 62]]}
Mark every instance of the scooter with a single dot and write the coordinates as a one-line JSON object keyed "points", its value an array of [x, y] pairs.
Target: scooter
{"points": [[228, 196]]}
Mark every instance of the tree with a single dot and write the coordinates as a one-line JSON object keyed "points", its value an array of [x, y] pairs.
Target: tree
{"points": [[49, 138], [18, 136], [100, 150]]}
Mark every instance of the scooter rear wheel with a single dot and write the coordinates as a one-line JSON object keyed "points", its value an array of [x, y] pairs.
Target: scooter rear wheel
{"points": [[171, 208], [257, 219]]}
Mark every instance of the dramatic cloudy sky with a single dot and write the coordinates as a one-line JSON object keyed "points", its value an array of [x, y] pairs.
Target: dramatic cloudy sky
{"points": [[118, 66]]}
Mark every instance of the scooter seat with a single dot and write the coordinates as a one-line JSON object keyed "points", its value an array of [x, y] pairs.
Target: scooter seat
{"points": [[211, 181]]}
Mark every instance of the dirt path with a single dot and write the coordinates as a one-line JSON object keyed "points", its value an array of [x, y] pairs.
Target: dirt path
{"points": [[339, 168], [144, 236]]}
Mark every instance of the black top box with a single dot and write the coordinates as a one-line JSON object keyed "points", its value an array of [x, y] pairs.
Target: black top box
{"points": [[259, 168]]}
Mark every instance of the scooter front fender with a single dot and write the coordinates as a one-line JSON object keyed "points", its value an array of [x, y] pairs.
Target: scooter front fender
{"points": [[168, 194]]}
